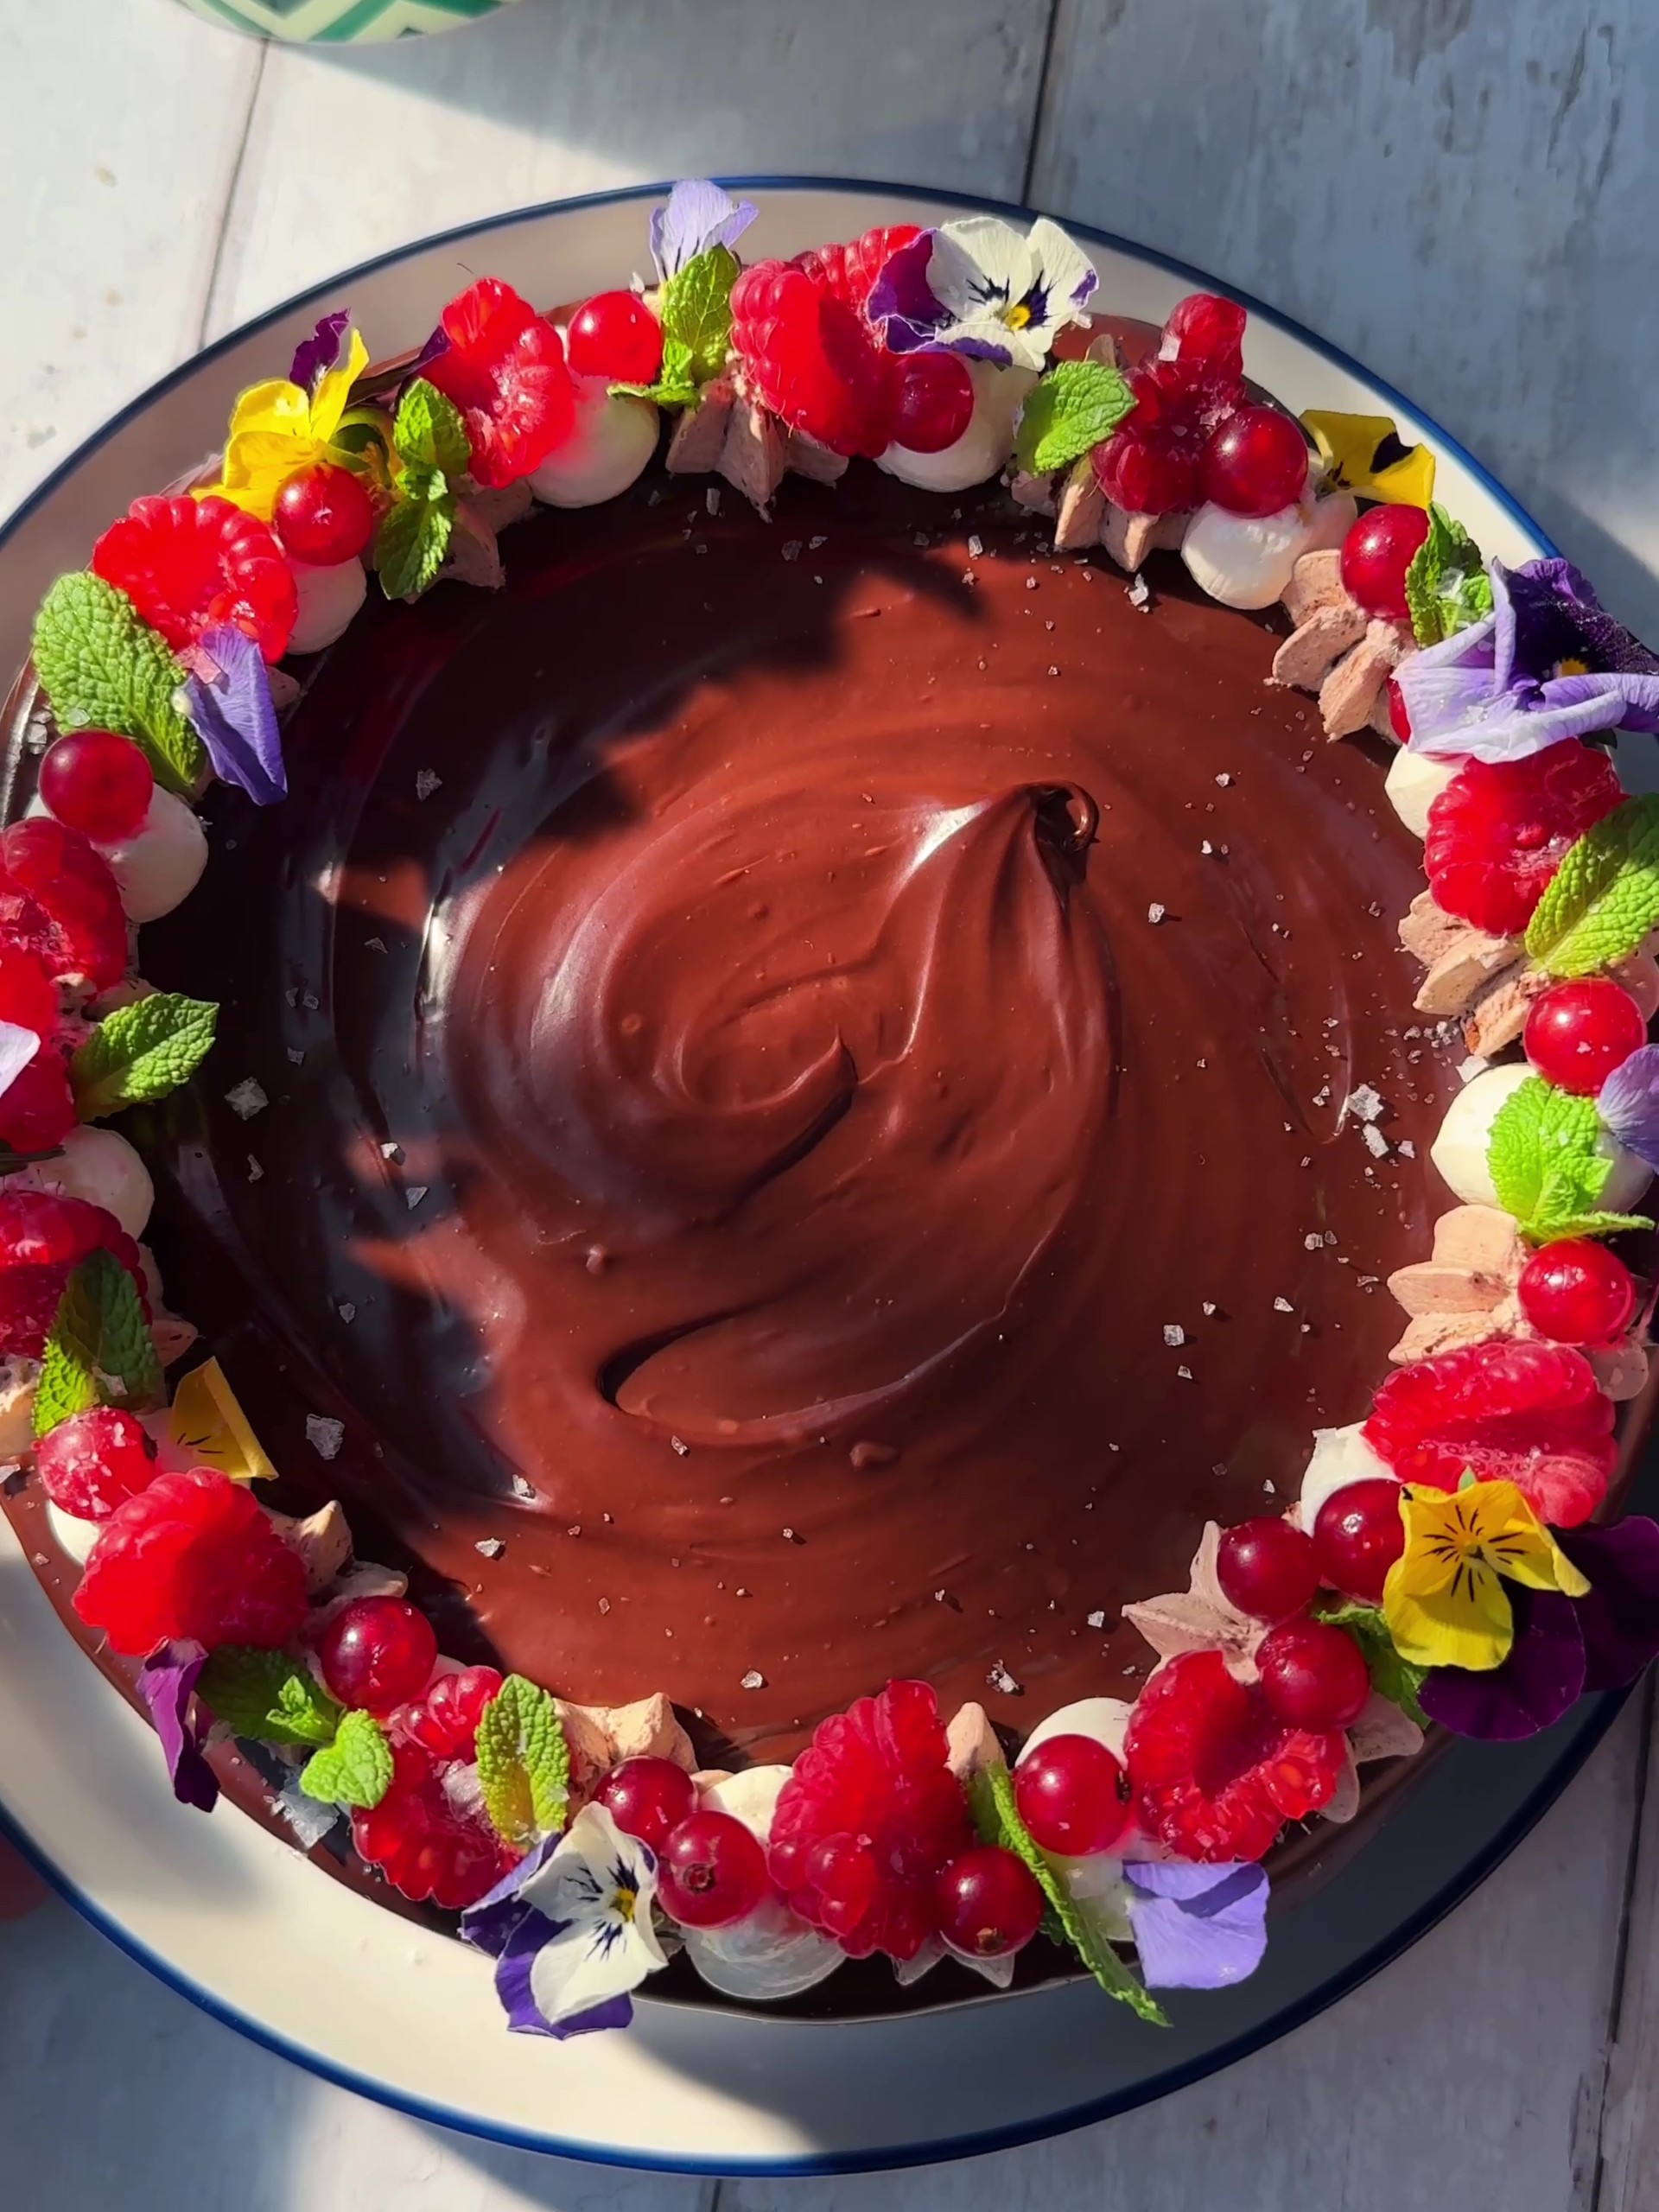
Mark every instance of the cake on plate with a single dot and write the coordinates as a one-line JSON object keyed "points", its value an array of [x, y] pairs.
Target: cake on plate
{"points": [[888, 1268]]}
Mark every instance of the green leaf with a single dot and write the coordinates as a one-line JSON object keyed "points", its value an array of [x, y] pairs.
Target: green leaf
{"points": [[990, 1799], [676, 385], [265, 1695], [430, 429], [1392, 1677], [141, 1053], [103, 668], [414, 537], [696, 312], [100, 1351], [1546, 1166], [1604, 899], [1446, 587], [523, 1763], [1077, 405], [354, 1769]]}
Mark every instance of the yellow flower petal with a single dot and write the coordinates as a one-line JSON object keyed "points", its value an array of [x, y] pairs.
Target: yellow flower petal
{"points": [[1468, 1622], [334, 390], [276, 405], [1348, 447], [207, 1419], [1410, 480]]}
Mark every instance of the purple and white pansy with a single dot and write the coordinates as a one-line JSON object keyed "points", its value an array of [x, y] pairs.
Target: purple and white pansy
{"points": [[698, 215], [979, 288], [1197, 1927]]}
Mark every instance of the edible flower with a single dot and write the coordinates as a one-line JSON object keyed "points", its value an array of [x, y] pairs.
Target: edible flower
{"points": [[166, 1682], [1444, 1601], [1197, 1927], [207, 1421], [287, 424], [228, 695], [1547, 662], [699, 215], [1363, 454], [570, 1929], [980, 289]]}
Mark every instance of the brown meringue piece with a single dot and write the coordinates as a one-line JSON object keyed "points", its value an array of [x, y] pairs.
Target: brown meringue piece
{"points": [[1315, 581], [1201, 1618], [501, 506], [804, 456], [1128, 537], [1082, 509], [600, 1736], [970, 1743], [1352, 689], [1465, 1292], [1462, 961], [1034, 493], [1498, 1015], [473, 556], [1314, 648], [323, 1540], [694, 449], [754, 454]]}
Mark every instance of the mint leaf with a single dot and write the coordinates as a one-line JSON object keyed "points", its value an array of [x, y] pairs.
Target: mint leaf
{"points": [[266, 1696], [100, 1351], [354, 1769], [696, 313], [990, 1800], [430, 429], [414, 537], [103, 668], [676, 385], [523, 1763], [1546, 1166], [1077, 405], [141, 1053], [1446, 587], [1604, 899], [1392, 1677]]}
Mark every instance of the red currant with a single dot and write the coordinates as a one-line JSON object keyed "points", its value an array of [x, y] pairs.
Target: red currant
{"points": [[1267, 1568], [1313, 1675], [445, 1721], [1357, 1536], [1254, 463], [936, 401], [987, 1903], [1375, 555], [93, 1462], [646, 1798], [324, 516], [1578, 1033], [1072, 1794], [615, 335], [711, 1871], [1577, 1293], [378, 1652], [97, 783]]}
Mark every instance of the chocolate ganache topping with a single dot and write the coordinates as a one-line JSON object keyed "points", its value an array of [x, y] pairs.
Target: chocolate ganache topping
{"points": [[806, 1067]]}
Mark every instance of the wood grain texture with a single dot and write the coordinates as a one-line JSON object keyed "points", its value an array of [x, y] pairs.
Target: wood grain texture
{"points": [[1458, 192], [120, 121], [350, 153]]}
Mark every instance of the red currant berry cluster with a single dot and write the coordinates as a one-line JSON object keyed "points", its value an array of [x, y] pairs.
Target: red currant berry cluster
{"points": [[426, 1847]]}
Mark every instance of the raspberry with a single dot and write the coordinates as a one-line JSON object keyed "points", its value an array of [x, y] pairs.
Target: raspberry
{"points": [[866, 1820], [1150, 462], [1500, 829], [42, 1237], [849, 272], [37, 1109], [424, 1846], [445, 1720], [193, 1556], [505, 368], [95, 1461], [28, 996], [1505, 1411], [60, 903], [812, 358], [193, 565], [1216, 1774]]}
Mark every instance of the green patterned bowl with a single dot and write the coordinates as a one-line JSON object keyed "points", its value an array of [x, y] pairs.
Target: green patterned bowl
{"points": [[342, 22]]}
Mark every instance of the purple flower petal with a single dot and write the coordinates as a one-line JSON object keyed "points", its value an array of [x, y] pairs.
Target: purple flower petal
{"points": [[229, 694], [1197, 1927], [1629, 1103], [512, 1986], [166, 1682], [1543, 1675], [435, 346], [490, 1923], [902, 299], [699, 215], [1558, 617], [1619, 1617], [320, 352]]}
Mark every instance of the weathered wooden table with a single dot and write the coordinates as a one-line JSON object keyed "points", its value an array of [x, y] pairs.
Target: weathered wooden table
{"points": [[1453, 189]]}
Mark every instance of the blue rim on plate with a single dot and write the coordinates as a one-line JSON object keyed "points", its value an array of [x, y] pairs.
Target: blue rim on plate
{"points": [[1457, 1820]]}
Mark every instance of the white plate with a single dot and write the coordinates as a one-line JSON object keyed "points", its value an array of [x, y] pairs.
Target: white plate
{"points": [[250, 1931]]}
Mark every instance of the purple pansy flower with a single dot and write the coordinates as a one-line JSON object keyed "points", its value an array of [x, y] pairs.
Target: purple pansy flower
{"points": [[980, 288], [699, 215], [167, 1683], [228, 698], [1547, 662], [323, 350], [1197, 1927], [1629, 1103], [1619, 1613]]}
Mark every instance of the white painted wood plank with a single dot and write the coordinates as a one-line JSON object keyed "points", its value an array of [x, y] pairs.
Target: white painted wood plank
{"points": [[117, 2095], [119, 125], [1459, 192], [350, 154], [1630, 2132], [1468, 2072]]}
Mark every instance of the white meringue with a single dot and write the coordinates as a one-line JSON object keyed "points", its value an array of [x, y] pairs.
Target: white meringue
{"points": [[613, 440], [158, 870], [984, 448], [1103, 1719], [771, 1953], [1245, 560], [99, 1166], [1413, 782], [1460, 1151], [329, 598], [1341, 1456]]}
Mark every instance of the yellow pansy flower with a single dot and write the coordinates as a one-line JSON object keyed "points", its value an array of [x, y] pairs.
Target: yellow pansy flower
{"points": [[1444, 1602], [1348, 445], [278, 428], [206, 1420]]}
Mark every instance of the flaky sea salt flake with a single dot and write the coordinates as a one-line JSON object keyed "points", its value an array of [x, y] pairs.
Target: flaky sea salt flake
{"points": [[1174, 1334], [1001, 1679], [1376, 1143], [324, 1436], [1365, 1105], [415, 1193], [426, 782], [1156, 912], [490, 1547], [246, 1100], [754, 1680]]}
